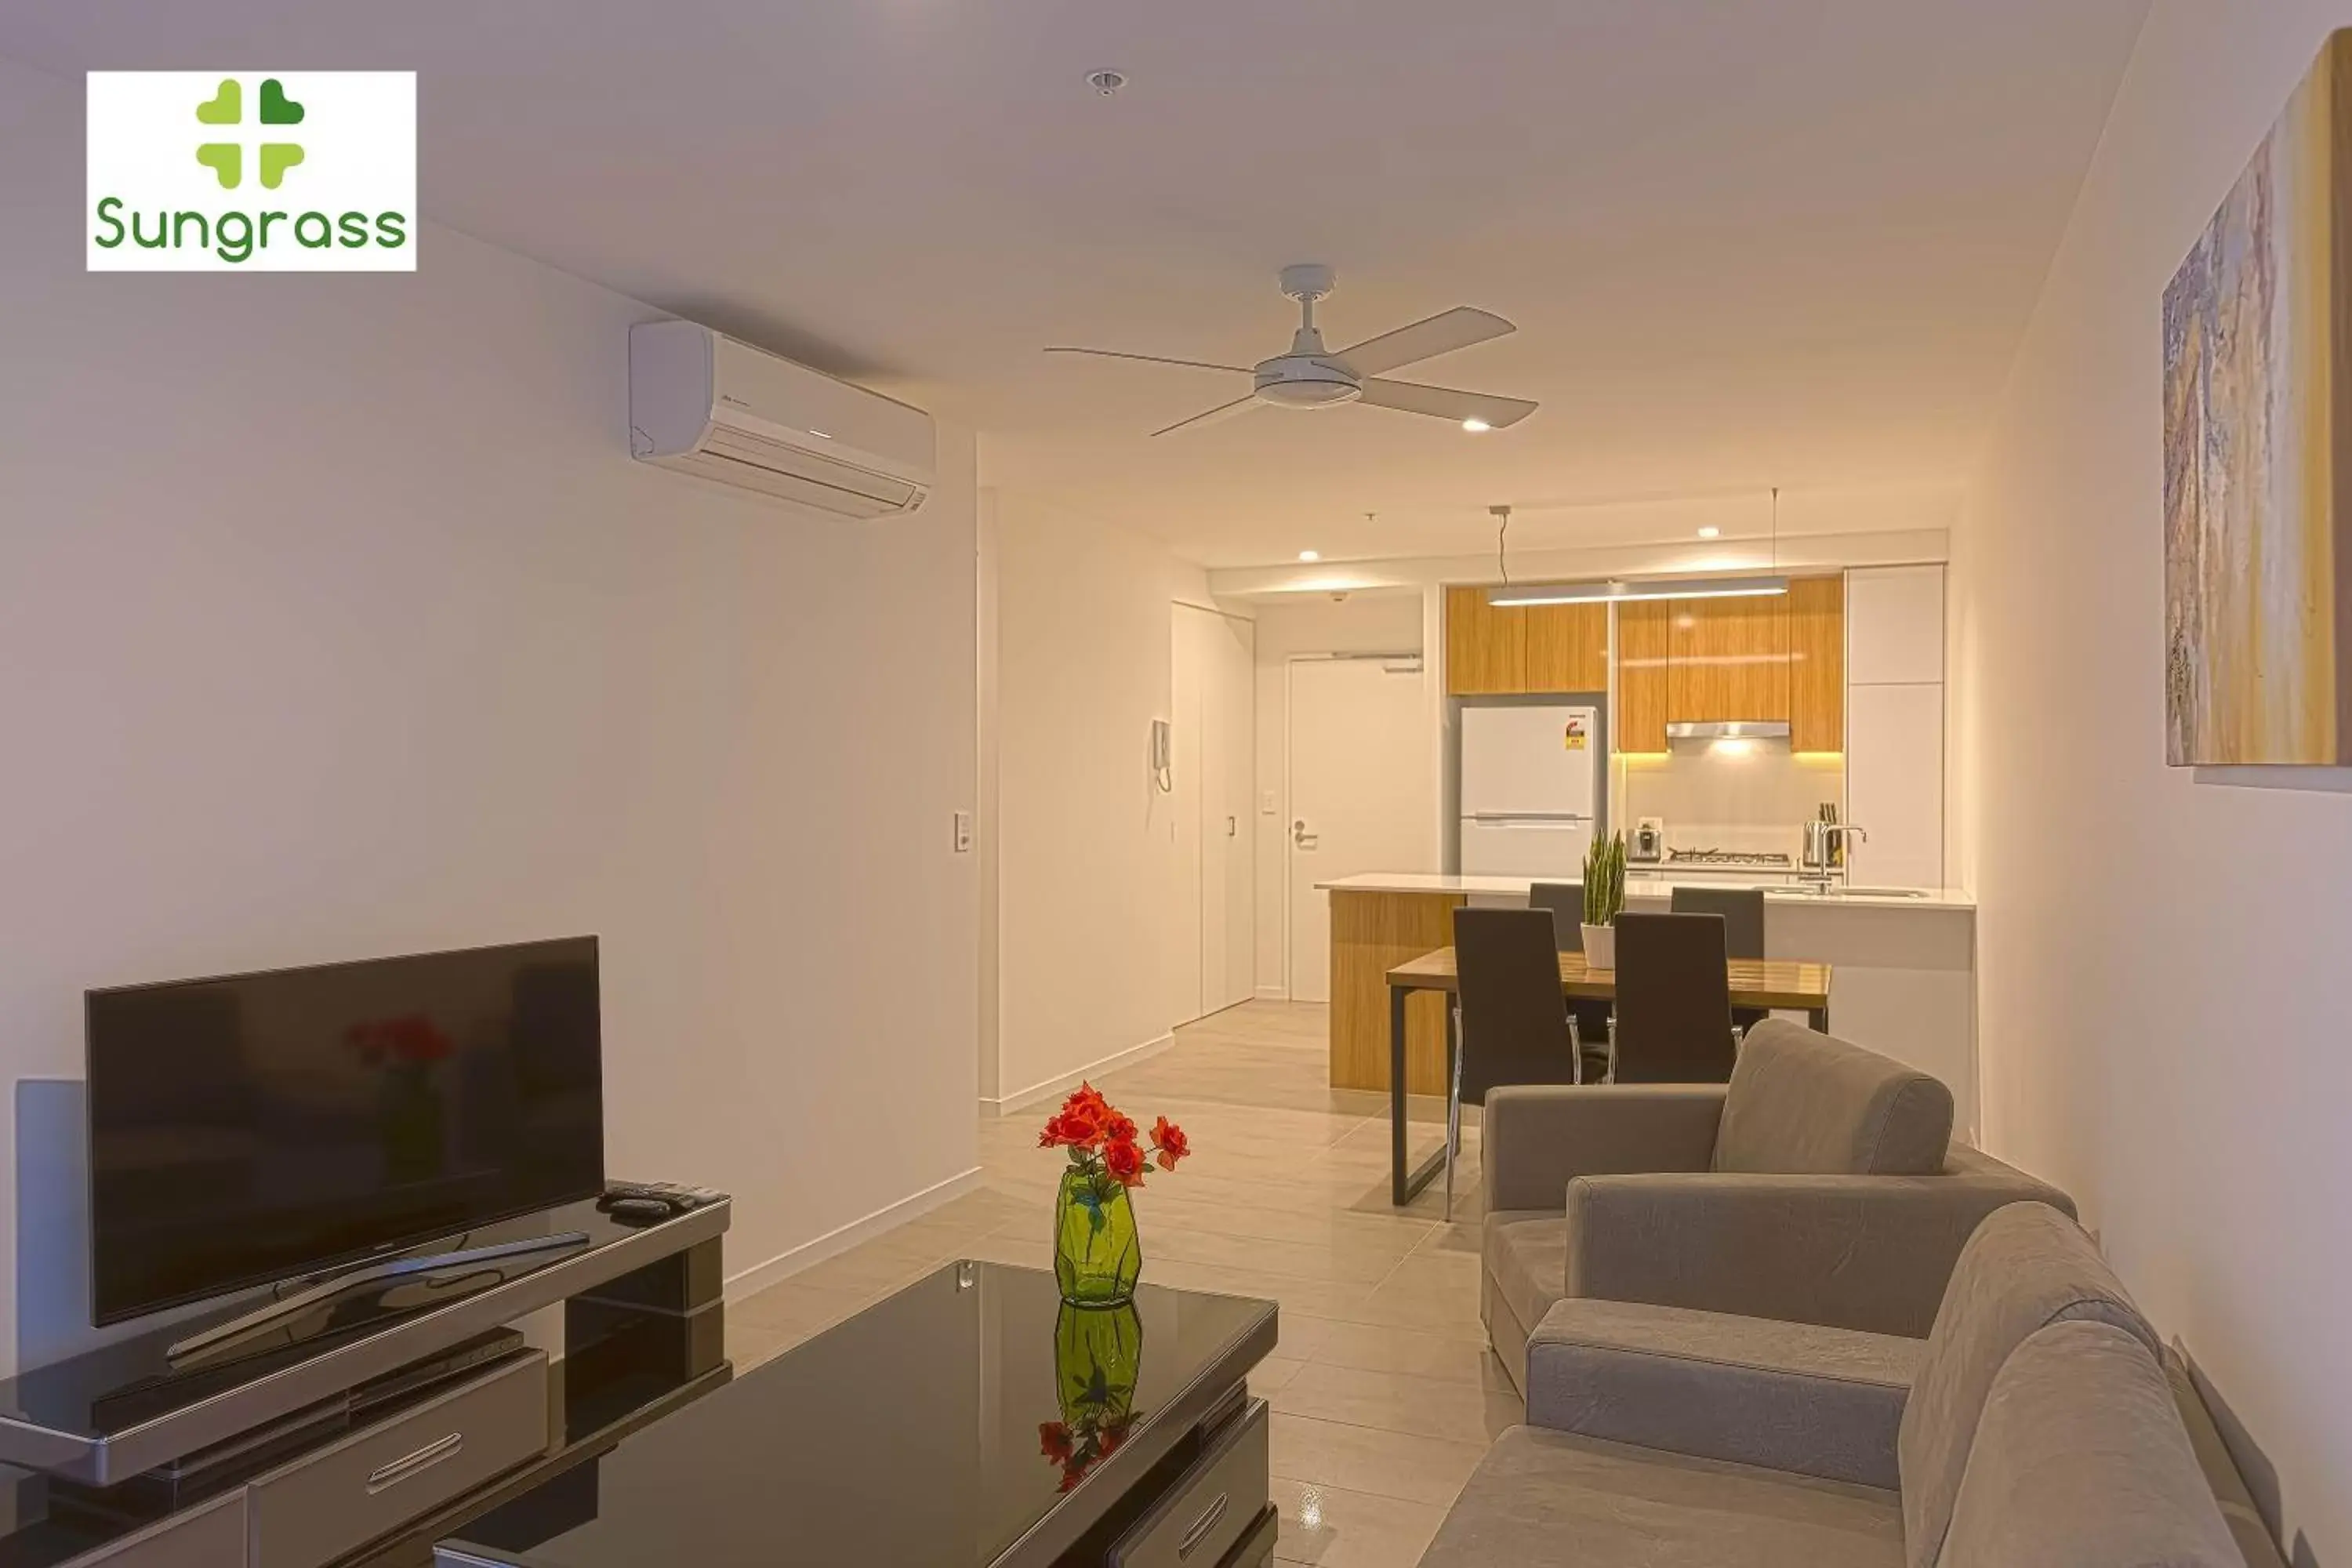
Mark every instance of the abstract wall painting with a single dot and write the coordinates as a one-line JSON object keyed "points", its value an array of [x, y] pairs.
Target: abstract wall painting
{"points": [[2258, 452]]}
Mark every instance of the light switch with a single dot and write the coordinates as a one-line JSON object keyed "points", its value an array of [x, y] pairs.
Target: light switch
{"points": [[1265, 806], [963, 832]]}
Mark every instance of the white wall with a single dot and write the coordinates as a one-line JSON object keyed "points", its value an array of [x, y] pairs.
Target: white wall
{"points": [[2164, 1019], [1088, 863], [336, 621], [1360, 623]]}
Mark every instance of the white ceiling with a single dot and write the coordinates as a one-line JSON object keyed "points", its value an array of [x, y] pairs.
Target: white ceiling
{"points": [[1745, 243]]}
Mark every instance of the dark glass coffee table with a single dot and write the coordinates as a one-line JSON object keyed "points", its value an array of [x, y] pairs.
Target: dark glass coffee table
{"points": [[972, 1420]]}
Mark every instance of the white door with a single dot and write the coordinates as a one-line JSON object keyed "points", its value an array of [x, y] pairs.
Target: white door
{"points": [[1213, 703], [1228, 774], [1363, 793], [1187, 646]]}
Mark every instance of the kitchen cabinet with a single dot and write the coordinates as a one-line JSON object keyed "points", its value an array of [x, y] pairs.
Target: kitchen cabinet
{"points": [[1568, 647], [1726, 658], [1817, 664], [1895, 723], [1539, 649], [1641, 676], [1894, 784], [1486, 646], [1895, 624], [1771, 658]]}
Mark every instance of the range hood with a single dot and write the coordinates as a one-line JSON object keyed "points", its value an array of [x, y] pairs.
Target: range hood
{"points": [[1728, 729]]}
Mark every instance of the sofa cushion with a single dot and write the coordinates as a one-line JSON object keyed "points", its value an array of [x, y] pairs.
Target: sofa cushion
{"points": [[1788, 1396], [2026, 1267], [1804, 1104], [2236, 1500], [1545, 1499], [1526, 1255], [2081, 1457]]}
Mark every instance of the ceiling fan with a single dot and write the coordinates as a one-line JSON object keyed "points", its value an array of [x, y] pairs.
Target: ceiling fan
{"points": [[1312, 376]]}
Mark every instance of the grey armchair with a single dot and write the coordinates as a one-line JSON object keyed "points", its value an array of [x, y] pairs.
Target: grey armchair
{"points": [[1818, 1186]]}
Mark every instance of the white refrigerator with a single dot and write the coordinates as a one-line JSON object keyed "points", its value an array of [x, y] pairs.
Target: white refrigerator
{"points": [[1532, 783]]}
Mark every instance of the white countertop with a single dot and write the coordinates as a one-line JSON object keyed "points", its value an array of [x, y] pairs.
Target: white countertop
{"points": [[1640, 885]]}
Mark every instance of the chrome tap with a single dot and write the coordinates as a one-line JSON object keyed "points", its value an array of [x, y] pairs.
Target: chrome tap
{"points": [[1828, 844]]}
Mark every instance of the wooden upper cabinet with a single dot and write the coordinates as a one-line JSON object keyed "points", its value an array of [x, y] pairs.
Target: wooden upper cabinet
{"points": [[1641, 676], [1537, 649], [1568, 647], [1817, 664], [1726, 658], [1486, 647]]}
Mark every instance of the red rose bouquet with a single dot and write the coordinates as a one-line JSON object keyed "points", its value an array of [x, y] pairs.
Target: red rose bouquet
{"points": [[1097, 1256]]}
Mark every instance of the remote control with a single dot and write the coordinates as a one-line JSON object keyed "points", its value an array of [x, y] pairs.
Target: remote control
{"points": [[683, 1197]]}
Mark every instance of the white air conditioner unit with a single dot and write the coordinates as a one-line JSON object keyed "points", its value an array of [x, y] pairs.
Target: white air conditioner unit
{"points": [[733, 413]]}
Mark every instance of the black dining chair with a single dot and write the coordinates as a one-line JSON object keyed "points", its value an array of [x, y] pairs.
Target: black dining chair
{"points": [[1513, 1027], [1673, 1002], [1566, 903], [1742, 909]]}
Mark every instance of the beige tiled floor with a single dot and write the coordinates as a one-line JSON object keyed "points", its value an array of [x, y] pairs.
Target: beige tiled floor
{"points": [[1383, 1392]]}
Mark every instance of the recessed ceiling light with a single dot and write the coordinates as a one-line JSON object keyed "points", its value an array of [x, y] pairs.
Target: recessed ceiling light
{"points": [[1710, 532], [1106, 81], [1310, 555], [1475, 424]]}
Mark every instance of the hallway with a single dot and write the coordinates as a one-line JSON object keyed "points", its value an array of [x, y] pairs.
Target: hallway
{"points": [[1384, 1395]]}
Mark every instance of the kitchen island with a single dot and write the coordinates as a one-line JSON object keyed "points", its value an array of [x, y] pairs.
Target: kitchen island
{"points": [[1905, 964]]}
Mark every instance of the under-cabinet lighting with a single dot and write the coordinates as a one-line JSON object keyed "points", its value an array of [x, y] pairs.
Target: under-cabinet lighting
{"points": [[1310, 555], [1623, 593], [1476, 425]]}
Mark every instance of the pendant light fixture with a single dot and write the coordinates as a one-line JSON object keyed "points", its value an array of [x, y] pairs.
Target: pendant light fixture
{"points": [[1616, 591]]}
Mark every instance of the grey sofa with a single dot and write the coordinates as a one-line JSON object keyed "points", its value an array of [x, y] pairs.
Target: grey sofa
{"points": [[2035, 1425], [1818, 1186]]}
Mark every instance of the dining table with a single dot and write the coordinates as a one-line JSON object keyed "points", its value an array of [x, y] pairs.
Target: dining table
{"points": [[1764, 985]]}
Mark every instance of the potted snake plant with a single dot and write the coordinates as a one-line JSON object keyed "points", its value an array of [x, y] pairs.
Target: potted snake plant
{"points": [[1604, 900]]}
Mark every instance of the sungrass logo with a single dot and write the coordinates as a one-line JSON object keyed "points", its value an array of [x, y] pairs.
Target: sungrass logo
{"points": [[252, 171]]}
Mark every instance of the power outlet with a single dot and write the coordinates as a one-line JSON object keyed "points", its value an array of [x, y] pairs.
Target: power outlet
{"points": [[963, 832]]}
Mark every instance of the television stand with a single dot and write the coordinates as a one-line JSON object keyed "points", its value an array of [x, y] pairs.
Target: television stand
{"points": [[385, 1425], [236, 1337]]}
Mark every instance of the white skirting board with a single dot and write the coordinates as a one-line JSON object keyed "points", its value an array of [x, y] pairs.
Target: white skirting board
{"points": [[832, 1243], [1273, 993], [1020, 1099]]}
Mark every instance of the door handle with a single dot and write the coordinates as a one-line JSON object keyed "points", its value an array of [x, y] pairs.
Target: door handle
{"points": [[1229, 827], [1301, 837]]}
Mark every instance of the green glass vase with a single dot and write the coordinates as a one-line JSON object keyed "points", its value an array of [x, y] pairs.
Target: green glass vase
{"points": [[1098, 1356], [1098, 1359], [1097, 1256]]}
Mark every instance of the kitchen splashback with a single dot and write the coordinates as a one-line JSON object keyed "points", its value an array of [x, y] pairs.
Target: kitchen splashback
{"points": [[1730, 795]]}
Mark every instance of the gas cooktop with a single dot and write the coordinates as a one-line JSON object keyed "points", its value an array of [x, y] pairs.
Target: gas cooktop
{"points": [[1769, 858]]}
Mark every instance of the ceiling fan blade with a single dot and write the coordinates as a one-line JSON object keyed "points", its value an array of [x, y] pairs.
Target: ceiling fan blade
{"points": [[1222, 411], [1445, 403], [1154, 359], [1440, 334]]}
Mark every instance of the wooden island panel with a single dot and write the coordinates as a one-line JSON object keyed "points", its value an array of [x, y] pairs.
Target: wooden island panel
{"points": [[1373, 933]]}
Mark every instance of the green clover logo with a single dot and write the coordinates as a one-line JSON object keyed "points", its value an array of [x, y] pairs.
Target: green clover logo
{"points": [[226, 159]]}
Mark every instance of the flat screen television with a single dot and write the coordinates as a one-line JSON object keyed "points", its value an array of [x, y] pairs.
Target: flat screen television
{"points": [[256, 1126]]}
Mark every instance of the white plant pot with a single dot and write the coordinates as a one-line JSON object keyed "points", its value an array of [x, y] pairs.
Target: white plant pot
{"points": [[1601, 947]]}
